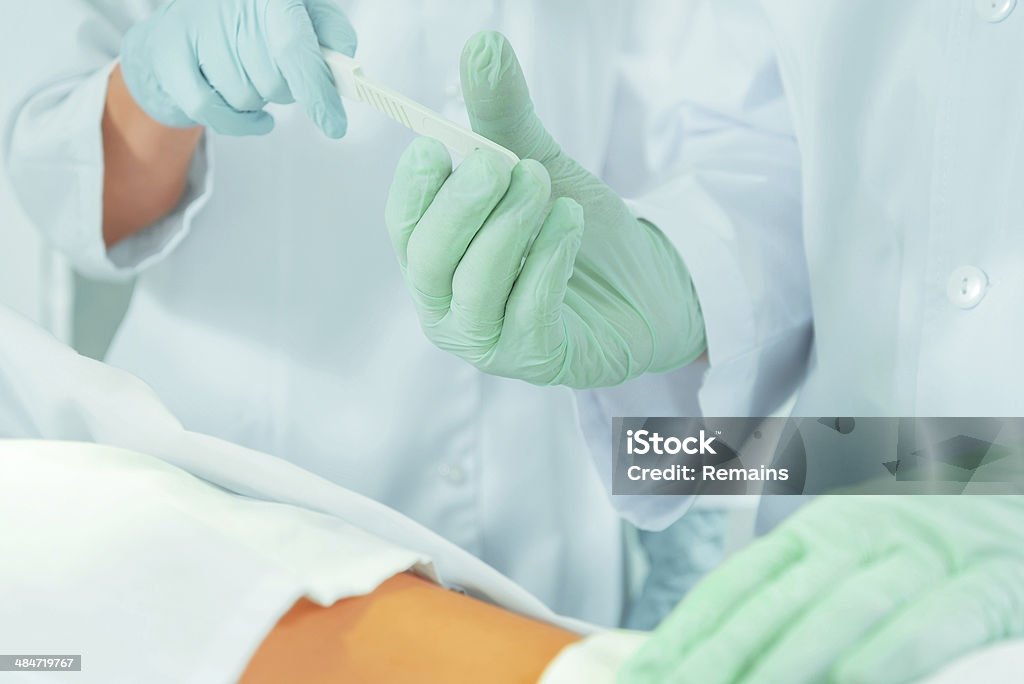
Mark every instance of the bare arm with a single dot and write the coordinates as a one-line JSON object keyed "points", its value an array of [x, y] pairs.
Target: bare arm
{"points": [[407, 630], [145, 164]]}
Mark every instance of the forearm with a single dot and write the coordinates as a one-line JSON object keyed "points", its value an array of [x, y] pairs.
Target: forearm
{"points": [[145, 164], [406, 630]]}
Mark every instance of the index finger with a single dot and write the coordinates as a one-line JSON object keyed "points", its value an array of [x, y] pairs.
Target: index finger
{"points": [[295, 49], [422, 170]]}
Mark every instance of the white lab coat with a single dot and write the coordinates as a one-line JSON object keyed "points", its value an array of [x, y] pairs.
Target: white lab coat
{"points": [[151, 574], [908, 117], [913, 161], [909, 128], [269, 310]]}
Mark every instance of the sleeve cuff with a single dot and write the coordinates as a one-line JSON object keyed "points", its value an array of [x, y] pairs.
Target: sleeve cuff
{"points": [[55, 162], [151, 245]]}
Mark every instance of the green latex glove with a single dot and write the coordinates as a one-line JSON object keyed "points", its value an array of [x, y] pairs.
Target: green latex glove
{"points": [[217, 63], [541, 274], [851, 589]]}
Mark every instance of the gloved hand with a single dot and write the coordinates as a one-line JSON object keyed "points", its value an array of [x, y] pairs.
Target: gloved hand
{"points": [[217, 63], [851, 589], [542, 274]]}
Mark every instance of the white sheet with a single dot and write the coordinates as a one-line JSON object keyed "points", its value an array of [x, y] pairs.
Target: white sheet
{"points": [[48, 391], [152, 575]]}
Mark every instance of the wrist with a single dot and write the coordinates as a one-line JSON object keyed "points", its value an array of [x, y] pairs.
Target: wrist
{"points": [[145, 163]]}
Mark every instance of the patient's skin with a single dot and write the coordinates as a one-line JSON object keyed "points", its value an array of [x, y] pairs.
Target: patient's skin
{"points": [[408, 630]]}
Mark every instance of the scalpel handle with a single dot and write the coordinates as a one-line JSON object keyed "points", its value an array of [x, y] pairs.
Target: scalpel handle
{"points": [[352, 84]]}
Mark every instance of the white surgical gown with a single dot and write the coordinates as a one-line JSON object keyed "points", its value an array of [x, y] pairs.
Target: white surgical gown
{"points": [[269, 309]]}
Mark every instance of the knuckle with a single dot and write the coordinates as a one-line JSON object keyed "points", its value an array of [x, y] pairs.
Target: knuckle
{"points": [[478, 329], [533, 172], [430, 308], [480, 169], [426, 153]]}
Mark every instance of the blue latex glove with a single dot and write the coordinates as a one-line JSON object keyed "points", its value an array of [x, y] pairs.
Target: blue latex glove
{"points": [[217, 63]]}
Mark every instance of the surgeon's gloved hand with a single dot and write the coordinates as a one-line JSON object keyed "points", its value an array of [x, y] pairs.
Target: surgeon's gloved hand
{"points": [[542, 274], [851, 590], [217, 63]]}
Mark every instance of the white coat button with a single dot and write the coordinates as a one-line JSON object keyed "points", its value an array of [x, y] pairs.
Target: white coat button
{"points": [[994, 10], [454, 474], [967, 287]]}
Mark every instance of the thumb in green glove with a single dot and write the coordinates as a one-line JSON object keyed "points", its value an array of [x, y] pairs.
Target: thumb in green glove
{"points": [[541, 273]]}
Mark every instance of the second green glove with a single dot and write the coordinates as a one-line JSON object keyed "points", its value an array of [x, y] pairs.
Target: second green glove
{"points": [[542, 274]]}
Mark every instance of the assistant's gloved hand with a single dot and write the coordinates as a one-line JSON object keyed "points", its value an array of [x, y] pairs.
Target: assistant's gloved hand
{"points": [[217, 63], [851, 590], [542, 275]]}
